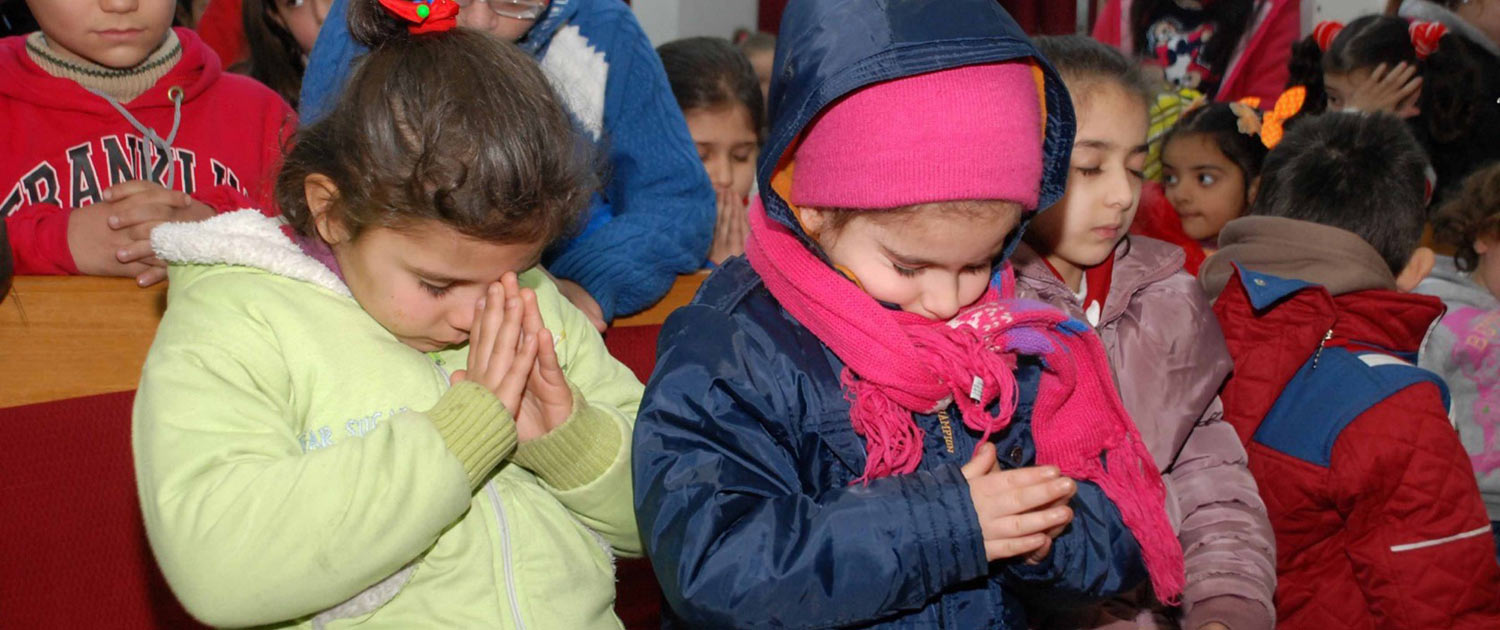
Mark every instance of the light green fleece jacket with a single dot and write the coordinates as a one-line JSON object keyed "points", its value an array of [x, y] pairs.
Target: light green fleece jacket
{"points": [[300, 467]]}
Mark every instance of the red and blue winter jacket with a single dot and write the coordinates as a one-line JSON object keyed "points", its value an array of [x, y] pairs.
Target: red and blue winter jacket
{"points": [[1377, 517]]}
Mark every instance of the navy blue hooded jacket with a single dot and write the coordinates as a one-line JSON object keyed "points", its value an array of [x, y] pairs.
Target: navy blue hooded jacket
{"points": [[744, 452]]}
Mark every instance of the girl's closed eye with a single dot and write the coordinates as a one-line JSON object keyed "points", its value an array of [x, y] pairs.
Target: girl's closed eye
{"points": [[1090, 171], [433, 289], [909, 272]]}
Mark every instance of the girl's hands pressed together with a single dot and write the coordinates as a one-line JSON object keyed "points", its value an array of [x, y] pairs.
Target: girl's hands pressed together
{"points": [[730, 228], [500, 355], [1020, 511], [548, 401]]}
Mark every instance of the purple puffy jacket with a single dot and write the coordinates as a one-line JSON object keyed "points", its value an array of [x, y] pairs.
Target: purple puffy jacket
{"points": [[1169, 360]]}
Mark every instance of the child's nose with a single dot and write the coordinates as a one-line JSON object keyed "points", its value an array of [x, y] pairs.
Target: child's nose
{"points": [[476, 16], [721, 174], [118, 6], [1120, 193], [320, 10], [940, 299]]}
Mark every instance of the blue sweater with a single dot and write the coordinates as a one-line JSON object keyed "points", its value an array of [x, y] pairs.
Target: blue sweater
{"points": [[654, 217]]}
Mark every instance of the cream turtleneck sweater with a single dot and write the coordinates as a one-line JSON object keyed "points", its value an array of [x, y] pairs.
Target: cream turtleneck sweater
{"points": [[121, 84]]}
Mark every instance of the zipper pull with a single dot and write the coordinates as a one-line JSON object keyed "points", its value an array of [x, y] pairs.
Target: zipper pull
{"points": [[1319, 354]]}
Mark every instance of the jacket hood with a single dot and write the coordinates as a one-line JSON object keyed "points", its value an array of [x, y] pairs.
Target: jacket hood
{"points": [[1339, 260], [244, 238], [827, 49], [558, 14], [1455, 287], [22, 79]]}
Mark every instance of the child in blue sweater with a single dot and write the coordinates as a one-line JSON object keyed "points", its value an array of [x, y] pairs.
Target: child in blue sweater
{"points": [[654, 218]]}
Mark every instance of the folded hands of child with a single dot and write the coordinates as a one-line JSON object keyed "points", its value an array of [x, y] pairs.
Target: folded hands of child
{"points": [[511, 353], [1020, 511], [113, 237]]}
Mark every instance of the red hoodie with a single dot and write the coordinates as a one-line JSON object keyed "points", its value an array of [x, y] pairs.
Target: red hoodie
{"points": [[65, 145]]}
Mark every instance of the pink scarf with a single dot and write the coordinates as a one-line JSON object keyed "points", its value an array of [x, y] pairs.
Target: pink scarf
{"points": [[898, 364]]}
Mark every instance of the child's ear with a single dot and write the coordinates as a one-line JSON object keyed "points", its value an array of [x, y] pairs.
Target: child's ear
{"points": [[813, 221], [1251, 190], [1417, 268], [321, 192]]}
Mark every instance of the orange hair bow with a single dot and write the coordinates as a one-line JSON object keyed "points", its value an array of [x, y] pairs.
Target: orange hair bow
{"points": [[1289, 104], [1425, 37], [1324, 33], [426, 16]]}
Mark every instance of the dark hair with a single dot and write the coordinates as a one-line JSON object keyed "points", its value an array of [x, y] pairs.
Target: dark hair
{"points": [[1451, 78], [1220, 123], [1474, 213], [710, 73], [1083, 62], [275, 57], [1229, 17], [1358, 172], [458, 127]]}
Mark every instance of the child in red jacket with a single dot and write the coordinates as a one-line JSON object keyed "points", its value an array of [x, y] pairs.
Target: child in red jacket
{"points": [[115, 122], [1377, 517]]}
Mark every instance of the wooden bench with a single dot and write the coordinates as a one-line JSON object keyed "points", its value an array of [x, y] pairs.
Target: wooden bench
{"points": [[65, 337]]}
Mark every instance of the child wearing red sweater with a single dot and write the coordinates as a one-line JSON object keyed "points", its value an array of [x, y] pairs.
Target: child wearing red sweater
{"points": [[115, 123]]}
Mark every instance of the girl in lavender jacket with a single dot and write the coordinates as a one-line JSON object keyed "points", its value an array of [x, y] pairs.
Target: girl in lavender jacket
{"points": [[1165, 347]]}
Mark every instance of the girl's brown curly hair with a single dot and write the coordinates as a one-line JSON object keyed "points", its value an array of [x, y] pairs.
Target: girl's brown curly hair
{"points": [[1473, 214], [457, 127]]}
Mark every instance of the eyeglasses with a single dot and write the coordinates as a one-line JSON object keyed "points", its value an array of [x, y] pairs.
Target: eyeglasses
{"points": [[514, 9]]}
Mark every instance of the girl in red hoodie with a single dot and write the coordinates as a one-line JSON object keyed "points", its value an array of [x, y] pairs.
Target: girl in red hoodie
{"points": [[115, 122]]}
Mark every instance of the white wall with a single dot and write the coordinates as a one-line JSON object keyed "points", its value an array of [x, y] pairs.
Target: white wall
{"points": [[1314, 11], [666, 20]]}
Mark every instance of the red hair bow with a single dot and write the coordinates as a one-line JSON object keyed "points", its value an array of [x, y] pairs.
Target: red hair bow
{"points": [[1425, 36], [1324, 33], [426, 16]]}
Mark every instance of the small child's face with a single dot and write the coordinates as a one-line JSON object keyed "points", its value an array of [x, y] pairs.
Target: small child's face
{"points": [[1487, 272], [111, 33], [1104, 179], [301, 18], [929, 259], [421, 282], [726, 142], [1207, 189]]}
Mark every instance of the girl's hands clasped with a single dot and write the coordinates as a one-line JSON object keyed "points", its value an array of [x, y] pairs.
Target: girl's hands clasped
{"points": [[511, 354], [1020, 511]]}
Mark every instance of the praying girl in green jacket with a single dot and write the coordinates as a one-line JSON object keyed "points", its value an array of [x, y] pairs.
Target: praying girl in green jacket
{"points": [[380, 412]]}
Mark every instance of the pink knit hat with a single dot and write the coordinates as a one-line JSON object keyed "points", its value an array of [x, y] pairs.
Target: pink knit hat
{"points": [[967, 133]]}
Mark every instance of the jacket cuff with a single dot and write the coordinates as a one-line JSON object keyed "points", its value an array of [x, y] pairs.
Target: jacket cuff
{"points": [[475, 427], [953, 542], [576, 453], [1238, 613]]}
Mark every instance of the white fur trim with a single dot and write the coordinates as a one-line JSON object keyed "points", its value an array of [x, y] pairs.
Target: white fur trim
{"points": [[578, 72], [368, 600], [246, 238]]}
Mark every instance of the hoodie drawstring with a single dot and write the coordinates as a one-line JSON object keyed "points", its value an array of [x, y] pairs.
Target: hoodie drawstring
{"points": [[163, 146]]}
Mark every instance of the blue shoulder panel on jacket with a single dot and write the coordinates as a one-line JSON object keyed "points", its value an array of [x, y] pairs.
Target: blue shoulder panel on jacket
{"points": [[1329, 392], [1265, 289]]}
